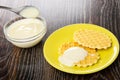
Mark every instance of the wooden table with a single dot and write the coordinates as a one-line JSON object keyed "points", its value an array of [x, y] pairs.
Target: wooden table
{"points": [[29, 64]]}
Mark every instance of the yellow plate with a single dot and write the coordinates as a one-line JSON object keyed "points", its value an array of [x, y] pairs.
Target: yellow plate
{"points": [[64, 34]]}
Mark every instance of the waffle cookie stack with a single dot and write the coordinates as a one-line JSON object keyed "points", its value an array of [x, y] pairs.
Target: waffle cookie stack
{"points": [[91, 41]]}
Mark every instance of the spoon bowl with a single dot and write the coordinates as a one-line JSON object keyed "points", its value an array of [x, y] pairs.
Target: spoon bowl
{"points": [[18, 10]]}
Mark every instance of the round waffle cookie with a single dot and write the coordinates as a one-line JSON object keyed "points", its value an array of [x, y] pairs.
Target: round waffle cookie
{"points": [[67, 45], [92, 39], [89, 60]]}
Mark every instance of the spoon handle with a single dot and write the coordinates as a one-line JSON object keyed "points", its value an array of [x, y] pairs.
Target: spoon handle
{"points": [[10, 9], [4, 7]]}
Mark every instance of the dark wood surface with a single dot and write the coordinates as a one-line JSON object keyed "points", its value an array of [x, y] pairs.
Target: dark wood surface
{"points": [[29, 64]]}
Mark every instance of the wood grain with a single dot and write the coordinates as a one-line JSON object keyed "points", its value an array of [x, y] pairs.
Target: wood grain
{"points": [[29, 64]]}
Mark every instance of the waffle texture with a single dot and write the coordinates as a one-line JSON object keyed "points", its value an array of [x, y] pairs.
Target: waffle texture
{"points": [[92, 39]]}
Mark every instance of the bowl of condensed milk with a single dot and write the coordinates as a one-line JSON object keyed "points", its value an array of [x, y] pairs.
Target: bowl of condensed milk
{"points": [[26, 31]]}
